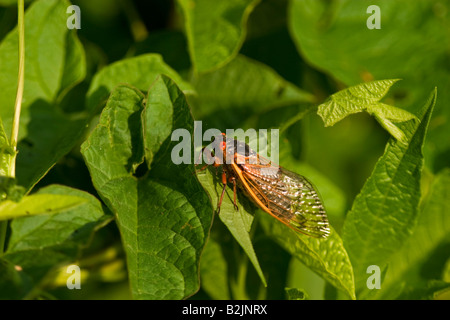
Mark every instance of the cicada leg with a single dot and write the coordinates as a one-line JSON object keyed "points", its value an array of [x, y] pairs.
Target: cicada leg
{"points": [[233, 180], [224, 182], [210, 156], [217, 163]]}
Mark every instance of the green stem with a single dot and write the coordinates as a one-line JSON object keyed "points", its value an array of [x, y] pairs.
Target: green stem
{"points": [[20, 83], [17, 107]]}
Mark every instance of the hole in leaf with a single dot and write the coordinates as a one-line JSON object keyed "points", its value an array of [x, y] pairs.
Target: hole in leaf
{"points": [[141, 170]]}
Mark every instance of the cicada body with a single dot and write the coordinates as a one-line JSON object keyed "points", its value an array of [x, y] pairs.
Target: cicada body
{"points": [[285, 195]]}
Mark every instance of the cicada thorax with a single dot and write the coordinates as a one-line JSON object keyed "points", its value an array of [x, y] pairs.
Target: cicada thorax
{"points": [[235, 151]]}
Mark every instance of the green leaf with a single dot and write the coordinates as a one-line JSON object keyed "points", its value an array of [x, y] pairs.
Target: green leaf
{"points": [[238, 222], [386, 111], [54, 63], [384, 213], [164, 216], [139, 72], [71, 209], [39, 243], [214, 271], [430, 236], [362, 97], [51, 135], [386, 114], [326, 257], [215, 30], [36, 204], [240, 89]]}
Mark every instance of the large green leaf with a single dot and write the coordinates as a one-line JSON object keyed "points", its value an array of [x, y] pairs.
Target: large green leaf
{"points": [[335, 39], [214, 270], [215, 30], [54, 63], [139, 72], [410, 268], [326, 257], [239, 90], [164, 216], [383, 215], [42, 242]]}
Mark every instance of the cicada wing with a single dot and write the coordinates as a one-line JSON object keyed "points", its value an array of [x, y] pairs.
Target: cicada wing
{"points": [[289, 197]]}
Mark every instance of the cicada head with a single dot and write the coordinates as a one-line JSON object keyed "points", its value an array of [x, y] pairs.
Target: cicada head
{"points": [[220, 147]]}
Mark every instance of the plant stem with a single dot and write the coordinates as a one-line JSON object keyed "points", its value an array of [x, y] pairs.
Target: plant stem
{"points": [[17, 107], [20, 84]]}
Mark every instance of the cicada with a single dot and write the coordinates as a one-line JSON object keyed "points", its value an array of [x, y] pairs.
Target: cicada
{"points": [[285, 195]]}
